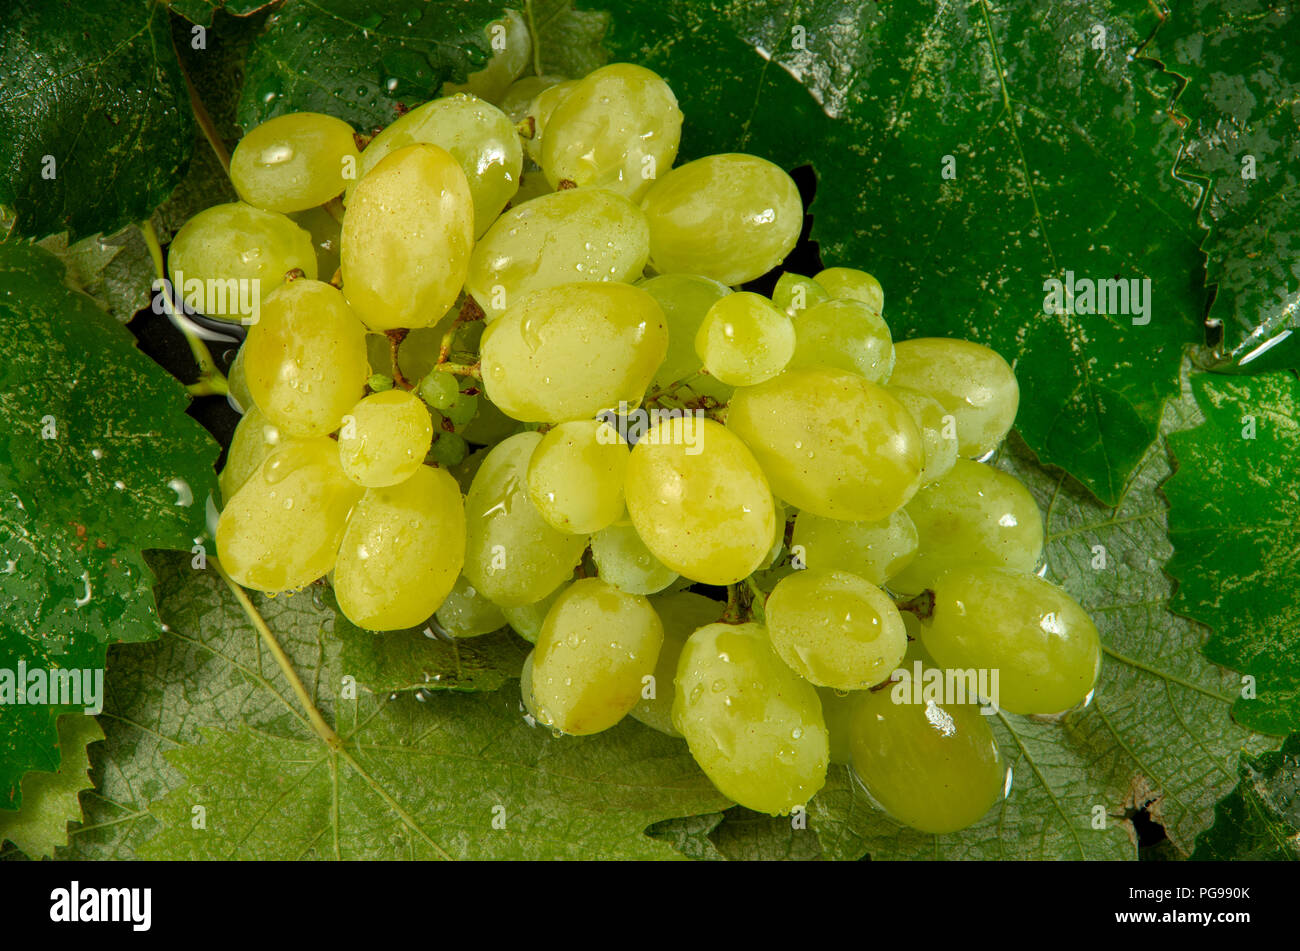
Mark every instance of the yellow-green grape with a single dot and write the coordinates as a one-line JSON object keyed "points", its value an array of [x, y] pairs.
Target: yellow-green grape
{"points": [[512, 556], [1042, 643], [306, 358], [526, 689], [532, 184], [384, 439], [325, 230], [519, 97], [834, 629], [778, 536], [623, 560], [512, 50], [685, 300], [568, 236], [752, 724], [699, 500], [619, 128], [795, 293], [938, 431], [731, 217], [575, 477], [847, 335], [282, 529], [466, 613], [848, 283], [745, 340], [975, 514], [238, 385], [837, 710], [830, 442], [478, 135], [527, 620], [540, 111], [682, 614], [227, 259], [406, 239], [294, 162], [571, 351], [970, 381], [255, 439], [876, 551], [932, 766], [597, 646], [402, 552]]}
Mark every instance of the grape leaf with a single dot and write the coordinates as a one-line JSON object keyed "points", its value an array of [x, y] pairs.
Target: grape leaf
{"points": [[95, 124], [203, 11], [689, 835], [1235, 524], [566, 41], [1260, 819], [52, 800], [88, 479], [116, 271]]}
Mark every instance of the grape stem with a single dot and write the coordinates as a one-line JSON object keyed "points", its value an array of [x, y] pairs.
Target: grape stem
{"points": [[462, 369], [922, 605], [395, 338], [201, 115], [758, 598], [470, 311]]}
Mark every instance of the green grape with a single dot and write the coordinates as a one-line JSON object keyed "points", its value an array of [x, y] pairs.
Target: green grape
{"points": [[699, 500], [238, 385], [972, 382], [527, 619], [745, 340], [597, 646], [526, 689], [571, 351], [974, 514], [682, 614], [255, 439], [838, 707], [685, 300], [1042, 643], [407, 238], [730, 217], [938, 431], [227, 259], [384, 439], [932, 766], [478, 135], [876, 551], [540, 112], [419, 350], [489, 425], [402, 552], [519, 97], [439, 389], [618, 128], [379, 383], [512, 51], [848, 283], [795, 293], [587, 235], [532, 184], [294, 162], [847, 335], [623, 560], [305, 359], [449, 449], [575, 477], [282, 529], [325, 230], [830, 442], [778, 536], [752, 724], [467, 468], [466, 613], [512, 555], [834, 629]]}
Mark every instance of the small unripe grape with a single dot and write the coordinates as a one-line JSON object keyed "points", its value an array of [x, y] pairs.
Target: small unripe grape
{"points": [[540, 111], [847, 335], [848, 283], [294, 162], [527, 620], [685, 300], [745, 340], [682, 614], [465, 612], [575, 477], [384, 439], [876, 551], [938, 431], [623, 560], [255, 438], [795, 293]]}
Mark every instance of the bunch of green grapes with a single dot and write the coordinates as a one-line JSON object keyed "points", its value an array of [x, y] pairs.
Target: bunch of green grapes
{"points": [[535, 392]]}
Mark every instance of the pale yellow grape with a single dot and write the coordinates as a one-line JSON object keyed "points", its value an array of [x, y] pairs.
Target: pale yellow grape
{"points": [[795, 293], [406, 239], [752, 724], [682, 614], [575, 477], [540, 111], [527, 619], [325, 230], [571, 351], [478, 135], [835, 629], [568, 236], [238, 385], [830, 442], [465, 612], [699, 500], [294, 162], [281, 530], [402, 552], [384, 439], [596, 646], [255, 438], [685, 300], [731, 217], [938, 431], [848, 283], [512, 48], [519, 97], [876, 551], [974, 514], [227, 259], [972, 382], [623, 560], [619, 128], [837, 710], [847, 335], [305, 360], [512, 556], [745, 340]]}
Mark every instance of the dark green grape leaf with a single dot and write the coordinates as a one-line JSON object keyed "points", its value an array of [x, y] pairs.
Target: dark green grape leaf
{"points": [[1260, 819], [1235, 525], [116, 271], [98, 461], [202, 11], [52, 800], [95, 124], [566, 41]]}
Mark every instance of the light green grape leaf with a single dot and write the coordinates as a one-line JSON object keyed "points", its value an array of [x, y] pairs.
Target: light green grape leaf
{"points": [[1260, 819], [690, 835], [116, 271], [566, 41], [52, 800]]}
